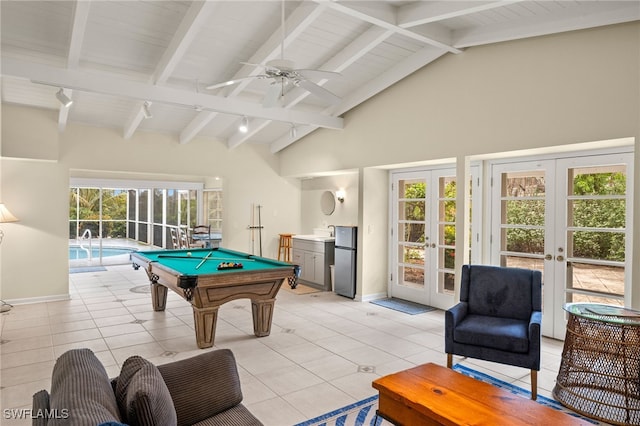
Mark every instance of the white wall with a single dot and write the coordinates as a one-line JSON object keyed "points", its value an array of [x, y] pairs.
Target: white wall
{"points": [[37, 191]]}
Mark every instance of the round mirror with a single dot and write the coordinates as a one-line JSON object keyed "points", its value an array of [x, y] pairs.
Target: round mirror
{"points": [[327, 202]]}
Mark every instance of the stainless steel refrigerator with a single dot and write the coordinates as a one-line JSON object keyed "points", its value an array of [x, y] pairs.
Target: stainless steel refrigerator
{"points": [[345, 261]]}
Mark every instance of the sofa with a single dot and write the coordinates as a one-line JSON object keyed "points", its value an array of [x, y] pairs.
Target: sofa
{"points": [[201, 390]]}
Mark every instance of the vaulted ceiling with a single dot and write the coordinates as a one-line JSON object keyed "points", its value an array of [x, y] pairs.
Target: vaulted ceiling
{"points": [[112, 57]]}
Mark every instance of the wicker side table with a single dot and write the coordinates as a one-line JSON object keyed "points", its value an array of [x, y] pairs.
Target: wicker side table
{"points": [[599, 373]]}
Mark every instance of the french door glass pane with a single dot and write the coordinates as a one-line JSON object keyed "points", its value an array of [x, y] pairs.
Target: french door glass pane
{"points": [[522, 216], [412, 255], [524, 212], [411, 232], [596, 234], [412, 276]]}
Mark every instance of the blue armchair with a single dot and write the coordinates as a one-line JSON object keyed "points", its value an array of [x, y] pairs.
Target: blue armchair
{"points": [[498, 318]]}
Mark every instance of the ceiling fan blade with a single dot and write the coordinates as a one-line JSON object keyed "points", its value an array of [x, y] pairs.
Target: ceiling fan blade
{"points": [[317, 74], [234, 81], [273, 93], [320, 92]]}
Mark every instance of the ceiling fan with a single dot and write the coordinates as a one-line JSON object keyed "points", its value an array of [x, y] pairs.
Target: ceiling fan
{"points": [[282, 73]]}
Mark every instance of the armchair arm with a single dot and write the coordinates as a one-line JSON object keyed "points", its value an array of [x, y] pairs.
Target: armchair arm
{"points": [[452, 317], [40, 404], [535, 324]]}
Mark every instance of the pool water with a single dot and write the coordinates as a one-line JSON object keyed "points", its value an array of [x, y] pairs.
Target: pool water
{"points": [[75, 252]]}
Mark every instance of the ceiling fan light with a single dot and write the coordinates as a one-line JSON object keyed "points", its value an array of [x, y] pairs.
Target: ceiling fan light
{"points": [[64, 99], [244, 125]]}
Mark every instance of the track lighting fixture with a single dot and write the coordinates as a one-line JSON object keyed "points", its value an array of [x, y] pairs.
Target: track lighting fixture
{"points": [[145, 109], [293, 132], [244, 125], [64, 99]]}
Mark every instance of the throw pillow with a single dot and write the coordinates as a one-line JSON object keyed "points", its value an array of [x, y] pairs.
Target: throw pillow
{"points": [[142, 395]]}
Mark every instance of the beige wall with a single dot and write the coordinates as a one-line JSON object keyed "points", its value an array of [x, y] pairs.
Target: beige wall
{"points": [[345, 213], [37, 191], [539, 94]]}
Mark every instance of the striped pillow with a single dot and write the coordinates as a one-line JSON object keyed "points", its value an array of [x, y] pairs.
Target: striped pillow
{"points": [[142, 395]]}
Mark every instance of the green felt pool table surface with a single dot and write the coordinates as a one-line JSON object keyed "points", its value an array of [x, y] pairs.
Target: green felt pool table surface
{"points": [[180, 262], [198, 280]]}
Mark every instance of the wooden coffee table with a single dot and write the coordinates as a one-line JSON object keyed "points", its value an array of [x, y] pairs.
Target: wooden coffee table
{"points": [[434, 395]]}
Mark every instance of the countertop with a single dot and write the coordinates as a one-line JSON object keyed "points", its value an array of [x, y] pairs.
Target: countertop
{"points": [[313, 237]]}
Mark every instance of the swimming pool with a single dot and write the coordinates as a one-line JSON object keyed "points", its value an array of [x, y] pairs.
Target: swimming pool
{"points": [[76, 252]]}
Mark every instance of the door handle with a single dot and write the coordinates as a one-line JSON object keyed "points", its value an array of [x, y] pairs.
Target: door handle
{"points": [[433, 245], [560, 258], [548, 257]]}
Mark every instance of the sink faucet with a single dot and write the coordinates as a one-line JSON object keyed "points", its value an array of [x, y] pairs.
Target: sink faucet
{"points": [[332, 232]]}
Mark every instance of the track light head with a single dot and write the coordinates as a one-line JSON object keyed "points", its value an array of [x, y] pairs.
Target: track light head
{"points": [[293, 131], [145, 109], [64, 99], [244, 125]]}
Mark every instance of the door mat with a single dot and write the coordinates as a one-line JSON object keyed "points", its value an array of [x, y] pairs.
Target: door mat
{"points": [[87, 269], [405, 306], [300, 289]]}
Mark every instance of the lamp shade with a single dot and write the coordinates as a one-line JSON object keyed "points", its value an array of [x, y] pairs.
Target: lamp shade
{"points": [[5, 215]]}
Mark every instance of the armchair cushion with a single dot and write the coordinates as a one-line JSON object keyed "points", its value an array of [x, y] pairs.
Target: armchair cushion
{"points": [[505, 334]]}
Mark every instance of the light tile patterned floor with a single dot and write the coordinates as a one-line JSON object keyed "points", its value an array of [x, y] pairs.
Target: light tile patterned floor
{"points": [[323, 352]]}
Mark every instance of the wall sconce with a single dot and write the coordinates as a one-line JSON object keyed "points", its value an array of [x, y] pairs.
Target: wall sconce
{"points": [[340, 195]]}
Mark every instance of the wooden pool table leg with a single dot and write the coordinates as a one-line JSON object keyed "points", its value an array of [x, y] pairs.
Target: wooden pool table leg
{"points": [[205, 320], [262, 310], [158, 296]]}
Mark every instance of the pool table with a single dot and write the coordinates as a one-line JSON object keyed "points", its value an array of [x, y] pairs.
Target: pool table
{"points": [[194, 274]]}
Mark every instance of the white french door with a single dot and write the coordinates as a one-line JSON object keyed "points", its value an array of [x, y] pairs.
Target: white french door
{"points": [[568, 218], [423, 236]]}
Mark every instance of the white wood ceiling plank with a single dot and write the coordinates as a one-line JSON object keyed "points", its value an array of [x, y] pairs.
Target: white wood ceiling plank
{"points": [[190, 26], [421, 13], [560, 21]]}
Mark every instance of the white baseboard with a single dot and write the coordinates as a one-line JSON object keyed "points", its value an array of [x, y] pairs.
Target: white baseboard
{"points": [[30, 300], [374, 296]]}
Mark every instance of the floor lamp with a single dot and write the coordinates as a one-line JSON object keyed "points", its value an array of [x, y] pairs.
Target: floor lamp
{"points": [[5, 217]]}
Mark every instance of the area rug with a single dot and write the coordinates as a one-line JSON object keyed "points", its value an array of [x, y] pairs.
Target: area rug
{"points": [[87, 269], [400, 305], [300, 289], [363, 413]]}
